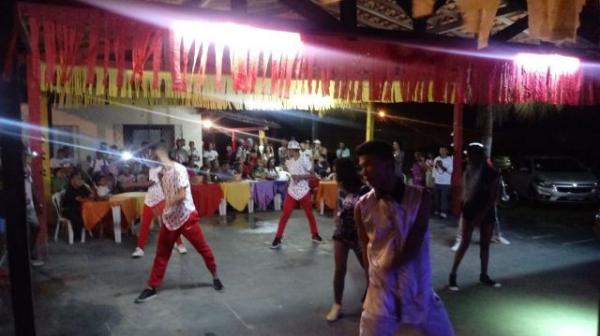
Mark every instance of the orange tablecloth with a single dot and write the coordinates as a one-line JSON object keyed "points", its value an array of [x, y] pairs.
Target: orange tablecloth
{"points": [[132, 206], [207, 198], [328, 192], [94, 212]]}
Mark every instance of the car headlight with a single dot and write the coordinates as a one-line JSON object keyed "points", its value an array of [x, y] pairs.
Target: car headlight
{"points": [[545, 184]]}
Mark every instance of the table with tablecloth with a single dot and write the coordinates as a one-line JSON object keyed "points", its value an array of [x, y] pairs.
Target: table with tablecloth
{"points": [[207, 198], [263, 193], [237, 194], [327, 195], [129, 205]]}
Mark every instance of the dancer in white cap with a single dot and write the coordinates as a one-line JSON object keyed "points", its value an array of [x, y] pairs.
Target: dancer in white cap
{"points": [[300, 170]]}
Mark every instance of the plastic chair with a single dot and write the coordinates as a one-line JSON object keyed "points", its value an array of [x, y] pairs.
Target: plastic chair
{"points": [[60, 219]]}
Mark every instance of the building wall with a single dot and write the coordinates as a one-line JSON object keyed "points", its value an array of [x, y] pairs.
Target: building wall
{"points": [[94, 124]]}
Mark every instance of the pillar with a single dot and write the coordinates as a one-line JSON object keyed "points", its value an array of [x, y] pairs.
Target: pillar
{"points": [[457, 140], [370, 124]]}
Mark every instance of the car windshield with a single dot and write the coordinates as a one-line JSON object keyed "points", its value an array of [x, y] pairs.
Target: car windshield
{"points": [[558, 165]]}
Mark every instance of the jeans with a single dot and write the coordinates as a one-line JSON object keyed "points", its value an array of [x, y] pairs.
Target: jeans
{"points": [[441, 198]]}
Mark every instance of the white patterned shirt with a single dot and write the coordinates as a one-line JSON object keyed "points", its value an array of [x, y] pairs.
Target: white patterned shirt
{"points": [[173, 179], [155, 194], [302, 166]]}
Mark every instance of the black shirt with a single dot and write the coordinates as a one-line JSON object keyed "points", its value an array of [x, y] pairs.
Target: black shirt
{"points": [[481, 196], [70, 200]]}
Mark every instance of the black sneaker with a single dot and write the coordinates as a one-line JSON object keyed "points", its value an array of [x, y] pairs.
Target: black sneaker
{"points": [[486, 280], [317, 239], [218, 285], [276, 243], [147, 294], [452, 285]]}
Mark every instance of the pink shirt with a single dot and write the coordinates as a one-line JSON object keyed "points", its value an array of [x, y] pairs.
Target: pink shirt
{"points": [[302, 166], [403, 292], [155, 194], [173, 179]]}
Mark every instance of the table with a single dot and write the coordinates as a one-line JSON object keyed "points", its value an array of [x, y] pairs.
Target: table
{"points": [[237, 194], [327, 194], [207, 198], [263, 193], [131, 205]]}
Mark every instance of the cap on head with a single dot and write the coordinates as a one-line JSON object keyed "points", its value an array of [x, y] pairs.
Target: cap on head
{"points": [[293, 145], [317, 141]]}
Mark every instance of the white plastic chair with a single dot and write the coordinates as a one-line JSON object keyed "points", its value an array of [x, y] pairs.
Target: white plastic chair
{"points": [[60, 219]]}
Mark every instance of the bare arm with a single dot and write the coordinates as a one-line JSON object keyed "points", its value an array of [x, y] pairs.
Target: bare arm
{"points": [[362, 238], [416, 235]]}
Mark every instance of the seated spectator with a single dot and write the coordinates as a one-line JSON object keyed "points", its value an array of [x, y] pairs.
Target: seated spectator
{"points": [[126, 180], [271, 170], [247, 168], [224, 174], [103, 187], [76, 193], [259, 172], [322, 168], [60, 180]]}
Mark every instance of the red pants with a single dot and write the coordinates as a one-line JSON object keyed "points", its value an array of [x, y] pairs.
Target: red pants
{"points": [[288, 206], [166, 238], [147, 215]]}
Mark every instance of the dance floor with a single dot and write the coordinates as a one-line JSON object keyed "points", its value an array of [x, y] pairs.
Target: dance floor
{"points": [[88, 289]]}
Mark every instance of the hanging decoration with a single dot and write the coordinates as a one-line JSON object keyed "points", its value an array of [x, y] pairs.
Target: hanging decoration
{"points": [[226, 63], [554, 20], [478, 17]]}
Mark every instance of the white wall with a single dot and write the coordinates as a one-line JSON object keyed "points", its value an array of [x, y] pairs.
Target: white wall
{"points": [[105, 123]]}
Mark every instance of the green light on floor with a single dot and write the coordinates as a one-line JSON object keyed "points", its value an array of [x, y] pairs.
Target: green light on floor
{"points": [[534, 316]]}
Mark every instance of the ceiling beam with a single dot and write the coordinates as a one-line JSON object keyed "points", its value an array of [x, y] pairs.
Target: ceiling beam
{"points": [[312, 11], [502, 12], [383, 16], [348, 11], [513, 30]]}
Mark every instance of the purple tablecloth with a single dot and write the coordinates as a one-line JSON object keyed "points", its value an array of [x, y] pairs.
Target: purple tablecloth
{"points": [[281, 188], [262, 193]]}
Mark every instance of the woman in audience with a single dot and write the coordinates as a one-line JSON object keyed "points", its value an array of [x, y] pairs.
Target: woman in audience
{"points": [[271, 170], [259, 172], [418, 170]]}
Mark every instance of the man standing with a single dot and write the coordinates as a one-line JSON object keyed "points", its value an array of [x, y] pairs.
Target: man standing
{"points": [[392, 225], [300, 170], [480, 192], [398, 159], [179, 154], [179, 218], [211, 155], [32, 208], [442, 175], [194, 153], [154, 203], [342, 151]]}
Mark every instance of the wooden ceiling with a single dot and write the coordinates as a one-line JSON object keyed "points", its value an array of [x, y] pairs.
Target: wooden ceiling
{"points": [[510, 24]]}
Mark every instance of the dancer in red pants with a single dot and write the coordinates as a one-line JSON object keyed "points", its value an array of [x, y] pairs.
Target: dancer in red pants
{"points": [[179, 218], [300, 170], [154, 204]]}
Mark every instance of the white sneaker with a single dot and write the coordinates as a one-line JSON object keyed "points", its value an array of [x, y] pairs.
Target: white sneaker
{"points": [[503, 240], [334, 313], [181, 249], [455, 247], [138, 253], [37, 262], [443, 215]]}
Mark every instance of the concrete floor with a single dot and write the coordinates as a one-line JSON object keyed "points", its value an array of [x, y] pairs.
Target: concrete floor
{"points": [[550, 285]]}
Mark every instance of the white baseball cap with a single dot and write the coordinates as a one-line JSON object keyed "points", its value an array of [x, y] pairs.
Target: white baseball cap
{"points": [[293, 145], [317, 141]]}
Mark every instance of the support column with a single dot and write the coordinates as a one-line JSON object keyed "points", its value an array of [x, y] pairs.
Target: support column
{"points": [[370, 124], [457, 140], [13, 186], [488, 130]]}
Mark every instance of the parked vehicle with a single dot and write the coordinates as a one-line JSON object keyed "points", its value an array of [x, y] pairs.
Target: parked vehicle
{"points": [[553, 179]]}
